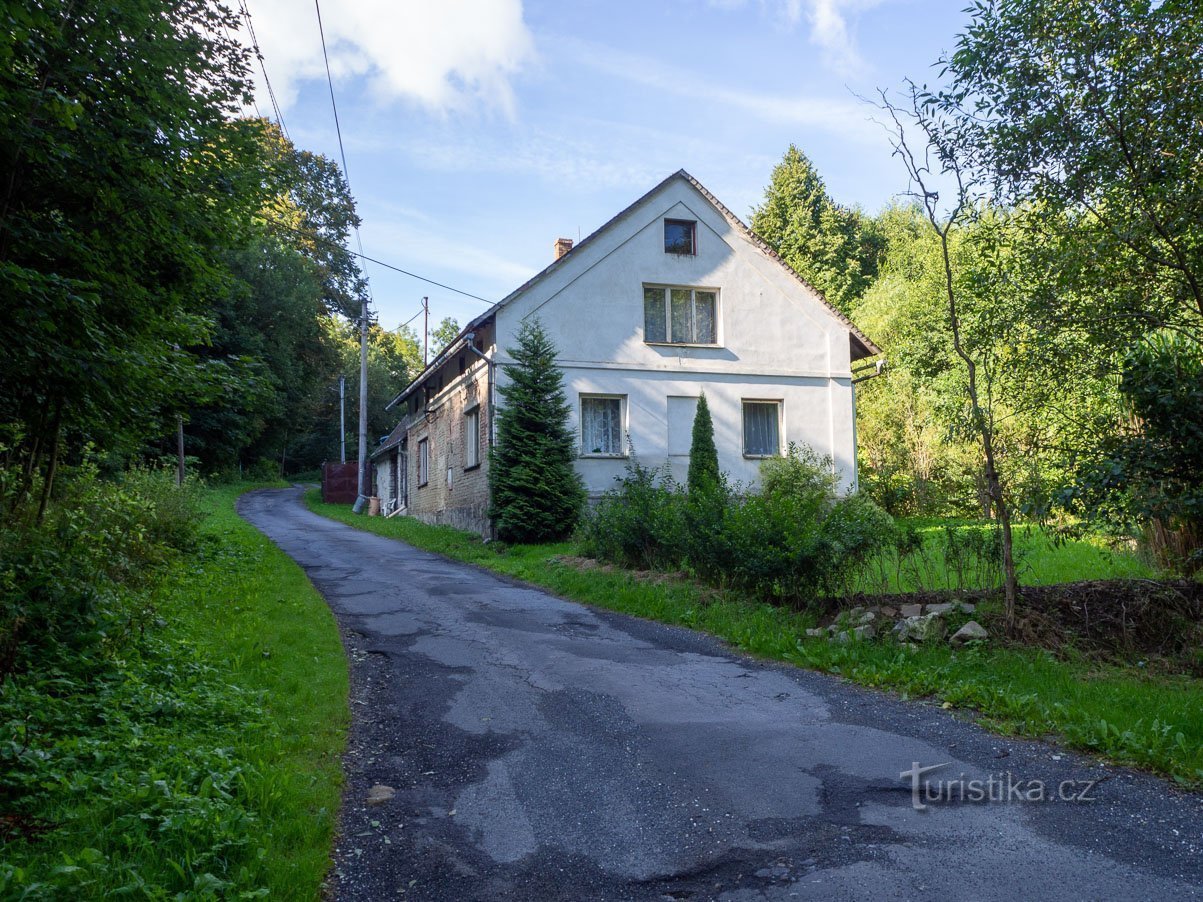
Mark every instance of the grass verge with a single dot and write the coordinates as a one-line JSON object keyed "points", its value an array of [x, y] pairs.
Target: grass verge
{"points": [[202, 761], [1125, 714]]}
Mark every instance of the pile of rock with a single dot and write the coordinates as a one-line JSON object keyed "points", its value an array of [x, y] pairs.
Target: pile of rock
{"points": [[909, 623]]}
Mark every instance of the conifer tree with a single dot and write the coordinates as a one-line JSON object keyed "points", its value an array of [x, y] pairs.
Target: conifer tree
{"points": [[703, 455], [536, 494], [832, 247]]}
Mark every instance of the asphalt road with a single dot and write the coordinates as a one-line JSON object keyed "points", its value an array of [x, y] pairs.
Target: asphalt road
{"points": [[541, 749]]}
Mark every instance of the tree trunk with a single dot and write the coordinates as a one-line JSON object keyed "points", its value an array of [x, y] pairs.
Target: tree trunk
{"points": [[52, 463]]}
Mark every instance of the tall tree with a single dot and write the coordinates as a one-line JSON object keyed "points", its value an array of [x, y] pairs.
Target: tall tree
{"points": [[703, 454], [939, 160], [1092, 108], [121, 185], [828, 245], [535, 492], [446, 332]]}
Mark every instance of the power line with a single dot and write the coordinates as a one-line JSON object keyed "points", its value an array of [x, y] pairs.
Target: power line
{"points": [[246, 14], [413, 275], [338, 131], [313, 236], [233, 40], [330, 81]]}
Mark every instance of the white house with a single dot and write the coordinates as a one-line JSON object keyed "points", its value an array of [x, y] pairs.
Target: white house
{"points": [[671, 298]]}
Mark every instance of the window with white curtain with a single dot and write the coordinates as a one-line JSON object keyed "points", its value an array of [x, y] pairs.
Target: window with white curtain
{"points": [[680, 315], [762, 428], [601, 425]]}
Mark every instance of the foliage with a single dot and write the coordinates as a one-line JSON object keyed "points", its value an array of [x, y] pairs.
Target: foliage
{"points": [[640, 524], [124, 178], [1152, 472], [1051, 105], [704, 474], [833, 248], [1053, 99], [535, 491], [791, 541], [80, 578], [188, 760], [446, 332]]}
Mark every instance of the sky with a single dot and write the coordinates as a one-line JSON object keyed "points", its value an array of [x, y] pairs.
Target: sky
{"points": [[478, 131]]}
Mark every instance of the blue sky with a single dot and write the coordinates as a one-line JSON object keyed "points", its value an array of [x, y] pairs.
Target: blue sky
{"points": [[479, 131]]}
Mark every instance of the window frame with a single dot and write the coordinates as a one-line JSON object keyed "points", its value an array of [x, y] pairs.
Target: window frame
{"points": [[779, 403], [693, 236], [422, 461], [472, 446], [622, 427], [693, 290]]}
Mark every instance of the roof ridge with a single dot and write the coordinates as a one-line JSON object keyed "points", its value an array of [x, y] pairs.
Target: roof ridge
{"points": [[731, 218]]}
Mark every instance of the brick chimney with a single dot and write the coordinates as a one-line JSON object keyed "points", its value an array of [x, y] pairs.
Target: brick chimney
{"points": [[563, 246]]}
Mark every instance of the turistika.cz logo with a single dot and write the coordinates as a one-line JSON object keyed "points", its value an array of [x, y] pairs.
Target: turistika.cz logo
{"points": [[1005, 787]]}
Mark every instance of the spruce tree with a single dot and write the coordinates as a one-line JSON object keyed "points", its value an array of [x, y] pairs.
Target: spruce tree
{"points": [[536, 494], [703, 455], [832, 247]]}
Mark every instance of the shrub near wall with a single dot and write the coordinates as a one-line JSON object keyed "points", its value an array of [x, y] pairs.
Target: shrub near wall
{"points": [[792, 541]]}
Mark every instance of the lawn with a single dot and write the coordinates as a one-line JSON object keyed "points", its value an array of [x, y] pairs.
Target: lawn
{"points": [[950, 558], [1126, 714], [205, 761]]}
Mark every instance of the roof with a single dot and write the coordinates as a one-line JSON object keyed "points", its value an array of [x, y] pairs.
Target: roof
{"points": [[392, 440], [867, 346]]}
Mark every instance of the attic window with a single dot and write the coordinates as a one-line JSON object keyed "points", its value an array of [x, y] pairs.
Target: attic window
{"points": [[679, 236]]}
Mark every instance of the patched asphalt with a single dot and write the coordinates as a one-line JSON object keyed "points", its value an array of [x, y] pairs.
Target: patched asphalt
{"points": [[543, 749]]}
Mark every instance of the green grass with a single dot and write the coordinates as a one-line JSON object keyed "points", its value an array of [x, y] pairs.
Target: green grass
{"points": [[1040, 561], [203, 761], [1122, 713], [255, 614]]}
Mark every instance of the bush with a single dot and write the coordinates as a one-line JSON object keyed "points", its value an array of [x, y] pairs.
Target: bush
{"points": [[791, 541], [81, 576], [639, 524]]}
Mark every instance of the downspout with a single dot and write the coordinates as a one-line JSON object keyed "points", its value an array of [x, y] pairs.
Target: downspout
{"points": [[878, 367]]}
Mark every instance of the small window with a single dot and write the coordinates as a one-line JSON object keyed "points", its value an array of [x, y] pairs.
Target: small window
{"points": [[762, 428], [423, 462], [680, 315], [472, 438], [601, 426], [679, 236]]}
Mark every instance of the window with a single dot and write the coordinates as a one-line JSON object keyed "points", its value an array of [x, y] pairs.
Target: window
{"points": [[601, 425], [423, 462], [472, 438], [679, 236], [680, 315], [762, 428]]}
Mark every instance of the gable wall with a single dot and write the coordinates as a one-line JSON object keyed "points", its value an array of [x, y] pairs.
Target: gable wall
{"points": [[777, 339]]}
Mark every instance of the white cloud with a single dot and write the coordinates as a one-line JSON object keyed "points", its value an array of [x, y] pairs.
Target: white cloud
{"points": [[846, 118], [443, 55], [828, 21]]}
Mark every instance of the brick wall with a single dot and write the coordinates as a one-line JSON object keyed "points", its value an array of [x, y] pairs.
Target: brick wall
{"points": [[455, 494]]}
